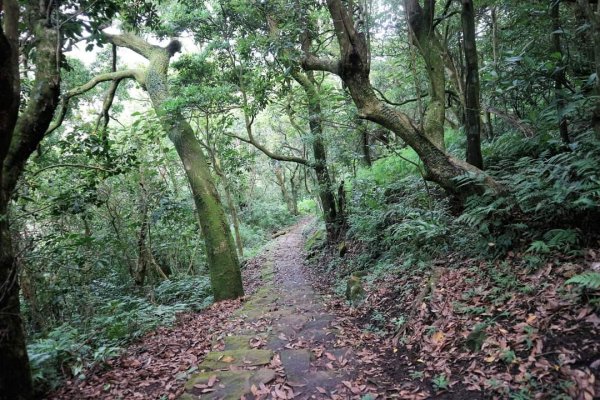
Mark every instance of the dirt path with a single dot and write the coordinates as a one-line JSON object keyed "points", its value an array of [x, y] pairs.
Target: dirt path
{"points": [[285, 344]]}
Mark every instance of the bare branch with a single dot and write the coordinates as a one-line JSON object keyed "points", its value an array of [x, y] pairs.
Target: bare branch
{"points": [[270, 154]]}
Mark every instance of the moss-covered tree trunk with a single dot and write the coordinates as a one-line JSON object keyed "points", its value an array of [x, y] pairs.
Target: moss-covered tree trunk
{"points": [[420, 22], [593, 18], [19, 137], [223, 263], [472, 104]]}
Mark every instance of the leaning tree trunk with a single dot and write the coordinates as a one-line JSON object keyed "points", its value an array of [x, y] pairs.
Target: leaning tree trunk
{"points": [[472, 104], [223, 263], [353, 69], [19, 137]]}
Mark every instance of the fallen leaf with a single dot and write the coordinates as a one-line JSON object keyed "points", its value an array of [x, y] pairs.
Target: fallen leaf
{"points": [[211, 381]]}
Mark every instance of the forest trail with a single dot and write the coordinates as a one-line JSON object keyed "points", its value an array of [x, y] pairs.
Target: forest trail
{"points": [[285, 344], [282, 341]]}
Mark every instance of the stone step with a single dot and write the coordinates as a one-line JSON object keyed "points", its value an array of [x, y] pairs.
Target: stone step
{"points": [[296, 364], [235, 342], [228, 385], [216, 360]]}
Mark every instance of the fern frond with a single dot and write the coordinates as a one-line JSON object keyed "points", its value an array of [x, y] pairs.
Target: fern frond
{"points": [[589, 280]]}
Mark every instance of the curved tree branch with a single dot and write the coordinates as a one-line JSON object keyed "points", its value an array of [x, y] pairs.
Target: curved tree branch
{"points": [[270, 154], [110, 76], [133, 42], [310, 62]]}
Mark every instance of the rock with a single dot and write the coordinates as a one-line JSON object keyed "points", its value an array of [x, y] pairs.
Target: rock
{"points": [[296, 364], [224, 359], [342, 248], [229, 385]]}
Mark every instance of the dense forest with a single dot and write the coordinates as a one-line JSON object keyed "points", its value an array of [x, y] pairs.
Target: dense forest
{"points": [[418, 179]]}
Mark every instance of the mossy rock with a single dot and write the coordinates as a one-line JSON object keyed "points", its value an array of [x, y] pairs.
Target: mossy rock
{"points": [[228, 385], [316, 240], [237, 342], [355, 292], [342, 248], [242, 357]]}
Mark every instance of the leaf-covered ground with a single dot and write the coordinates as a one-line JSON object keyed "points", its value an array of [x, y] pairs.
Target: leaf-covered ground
{"points": [[468, 330]]}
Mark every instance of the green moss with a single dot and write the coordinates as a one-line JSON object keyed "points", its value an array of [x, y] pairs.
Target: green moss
{"points": [[238, 342], [228, 384], [239, 358], [317, 238]]}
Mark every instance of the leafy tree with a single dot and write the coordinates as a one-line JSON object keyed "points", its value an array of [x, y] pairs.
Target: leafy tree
{"points": [[353, 67]]}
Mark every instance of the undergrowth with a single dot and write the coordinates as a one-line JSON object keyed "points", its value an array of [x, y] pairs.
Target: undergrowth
{"points": [[499, 249], [552, 204], [81, 344]]}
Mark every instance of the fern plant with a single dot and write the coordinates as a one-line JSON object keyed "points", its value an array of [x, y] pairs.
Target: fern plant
{"points": [[588, 280]]}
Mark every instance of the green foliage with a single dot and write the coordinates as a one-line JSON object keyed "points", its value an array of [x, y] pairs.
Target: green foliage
{"points": [[588, 280], [550, 186], [269, 215], [67, 349], [392, 210], [440, 382], [307, 206]]}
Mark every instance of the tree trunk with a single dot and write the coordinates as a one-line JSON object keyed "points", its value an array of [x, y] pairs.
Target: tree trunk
{"points": [[488, 124], [294, 189], [420, 22], [234, 215], [15, 378], [559, 73], [279, 175], [326, 195], [365, 147], [223, 263], [143, 250], [19, 137], [593, 18], [472, 106]]}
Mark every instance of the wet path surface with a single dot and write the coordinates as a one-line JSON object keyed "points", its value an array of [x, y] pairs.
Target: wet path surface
{"points": [[281, 343]]}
